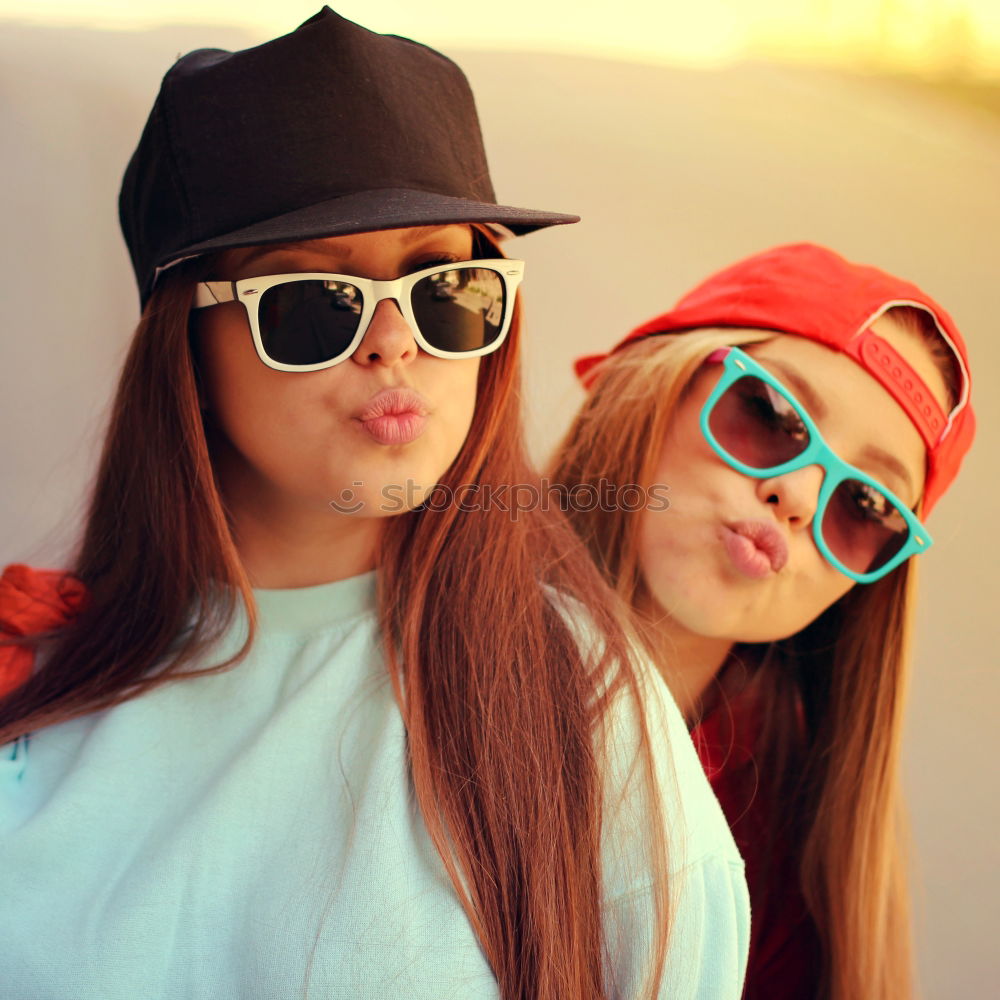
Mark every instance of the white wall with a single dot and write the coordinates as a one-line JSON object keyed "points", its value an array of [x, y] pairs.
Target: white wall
{"points": [[676, 172]]}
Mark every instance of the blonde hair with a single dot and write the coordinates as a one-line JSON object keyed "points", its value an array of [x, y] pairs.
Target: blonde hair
{"points": [[845, 675]]}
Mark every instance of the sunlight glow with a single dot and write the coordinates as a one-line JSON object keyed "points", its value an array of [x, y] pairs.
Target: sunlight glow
{"points": [[929, 37]]}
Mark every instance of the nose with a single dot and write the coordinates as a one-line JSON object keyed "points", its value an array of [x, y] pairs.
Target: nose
{"points": [[795, 495], [388, 339]]}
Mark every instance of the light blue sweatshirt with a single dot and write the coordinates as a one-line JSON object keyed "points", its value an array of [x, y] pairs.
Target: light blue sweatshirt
{"points": [[253, 834]]}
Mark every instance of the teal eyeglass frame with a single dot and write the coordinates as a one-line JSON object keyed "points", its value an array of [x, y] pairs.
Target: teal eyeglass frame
{"points": [[738, 364]]}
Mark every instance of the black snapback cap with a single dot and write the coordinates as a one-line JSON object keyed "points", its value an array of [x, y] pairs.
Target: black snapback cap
{"points": [[329, 130]]}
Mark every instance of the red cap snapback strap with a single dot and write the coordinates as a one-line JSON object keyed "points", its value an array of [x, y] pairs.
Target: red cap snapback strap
{"points": [[883, 361]]}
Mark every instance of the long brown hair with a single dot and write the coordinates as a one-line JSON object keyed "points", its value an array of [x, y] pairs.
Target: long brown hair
{"points": [[847, 672], [503, 713]]}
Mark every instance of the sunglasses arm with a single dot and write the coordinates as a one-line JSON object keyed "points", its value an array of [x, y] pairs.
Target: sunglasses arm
{"points": [[213, 293], [719, 355]]}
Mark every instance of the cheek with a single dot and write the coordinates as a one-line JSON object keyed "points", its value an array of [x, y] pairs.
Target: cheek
{"points": [[237, 388], [699, 485], [467, 387], [223, 348], [834, 590], [804, 598], [455, 389]]}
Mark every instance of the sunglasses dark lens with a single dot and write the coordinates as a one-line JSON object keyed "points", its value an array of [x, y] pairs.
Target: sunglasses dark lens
{"points": [[309, 322], [459, 310], [863, 528], [757, 425]]}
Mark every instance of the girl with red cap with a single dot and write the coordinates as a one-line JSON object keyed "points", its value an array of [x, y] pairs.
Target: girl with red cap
{"points": [[802, 415], [311, 717]]}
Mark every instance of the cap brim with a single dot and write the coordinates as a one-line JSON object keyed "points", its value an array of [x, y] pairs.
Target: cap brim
{"points": [[368, 211]]}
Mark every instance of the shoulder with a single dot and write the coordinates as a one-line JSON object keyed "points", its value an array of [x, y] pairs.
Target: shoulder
{"points": [[640, 712], [697, 827], [708, 909], [655, 787]]}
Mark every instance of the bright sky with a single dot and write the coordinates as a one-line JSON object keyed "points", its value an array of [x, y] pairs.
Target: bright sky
{"points": [[934, 35]]}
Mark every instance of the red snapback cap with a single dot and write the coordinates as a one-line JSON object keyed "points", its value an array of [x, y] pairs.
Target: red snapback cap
{"points": [[812, 292]]}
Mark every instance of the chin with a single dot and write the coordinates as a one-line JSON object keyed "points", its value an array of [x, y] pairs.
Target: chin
{"points": [[759, 636], [714, 625]]}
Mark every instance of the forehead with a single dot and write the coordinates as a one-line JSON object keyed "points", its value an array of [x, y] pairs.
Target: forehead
{"points": [[377, 243], [856, 415]]}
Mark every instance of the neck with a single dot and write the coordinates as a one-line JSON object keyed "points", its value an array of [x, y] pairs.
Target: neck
{"points": [[689, 662], [304, 551]]}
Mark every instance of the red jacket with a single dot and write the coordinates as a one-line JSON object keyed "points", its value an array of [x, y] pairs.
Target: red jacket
{"points": [[32, 601], [785, 952]]}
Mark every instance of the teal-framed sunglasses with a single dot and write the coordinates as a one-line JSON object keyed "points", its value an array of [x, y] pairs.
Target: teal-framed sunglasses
{"points": [[759, 428]]}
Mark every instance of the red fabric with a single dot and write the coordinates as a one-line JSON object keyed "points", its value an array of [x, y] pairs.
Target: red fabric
{"points": [[812, 292], [32, 601], [785, 953]]}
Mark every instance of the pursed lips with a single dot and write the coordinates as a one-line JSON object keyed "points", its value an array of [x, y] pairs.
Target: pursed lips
{"points": [[757, 547], [394, 415]]}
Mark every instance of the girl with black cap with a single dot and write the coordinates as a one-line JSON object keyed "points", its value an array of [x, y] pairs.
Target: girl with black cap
{"points": [[313, 714], [805, 412]]}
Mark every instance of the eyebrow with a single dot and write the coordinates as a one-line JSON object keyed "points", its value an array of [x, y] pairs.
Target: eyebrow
{"points": [[803, 389], [872, 453], [891, 463]]}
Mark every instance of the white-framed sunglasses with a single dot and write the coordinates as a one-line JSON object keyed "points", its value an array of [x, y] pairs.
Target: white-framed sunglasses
{"points": [[313, 320]]}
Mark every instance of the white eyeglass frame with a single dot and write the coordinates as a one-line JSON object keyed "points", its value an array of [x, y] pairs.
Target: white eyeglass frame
{"points": [[248, 292]]}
